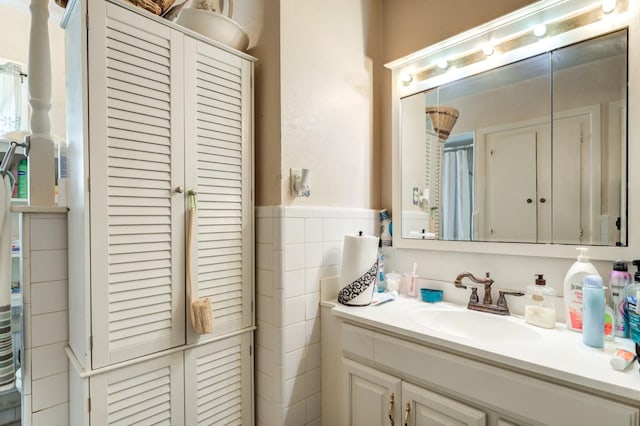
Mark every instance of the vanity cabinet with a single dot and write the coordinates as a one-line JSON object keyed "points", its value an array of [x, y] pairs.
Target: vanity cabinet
{"points": [[372, 397], [157, 113], [423, 407], [435, 385], [377, 398]]}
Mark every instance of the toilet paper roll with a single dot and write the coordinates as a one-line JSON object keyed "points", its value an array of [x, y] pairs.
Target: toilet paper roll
{"points": [[359, 270]]}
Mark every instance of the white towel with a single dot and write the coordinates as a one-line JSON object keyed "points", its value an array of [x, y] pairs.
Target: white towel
{"points": [[5, 241], [7, 365]]}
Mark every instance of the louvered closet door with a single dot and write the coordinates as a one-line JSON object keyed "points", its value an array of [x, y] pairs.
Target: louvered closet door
{"points": [[218, 383], [136, 162], [149, 393], [218, 139]]}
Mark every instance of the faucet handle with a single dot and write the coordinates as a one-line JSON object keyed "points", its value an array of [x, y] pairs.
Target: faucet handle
{"points": [[502, 301], [473, 297]]}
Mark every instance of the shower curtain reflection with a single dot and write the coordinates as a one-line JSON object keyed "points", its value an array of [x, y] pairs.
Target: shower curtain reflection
{"points": [[457, 195]]}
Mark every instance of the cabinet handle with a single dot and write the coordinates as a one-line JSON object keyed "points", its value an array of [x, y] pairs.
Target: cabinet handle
{"points": [[390, 410], [179, 189], [406, 414]]}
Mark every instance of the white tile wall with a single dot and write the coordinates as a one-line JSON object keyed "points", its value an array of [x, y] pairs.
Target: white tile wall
{"points": [[45, 312], [297, 247]]}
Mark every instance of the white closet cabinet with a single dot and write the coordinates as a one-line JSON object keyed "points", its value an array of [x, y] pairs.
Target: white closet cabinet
{"points": [[146, 393], [168, 114], [136, 165], [156, 112], [218, 382], [219, 163]]}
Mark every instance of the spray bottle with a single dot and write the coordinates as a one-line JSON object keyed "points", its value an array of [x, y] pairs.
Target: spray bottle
{"points": [[619, 278]]}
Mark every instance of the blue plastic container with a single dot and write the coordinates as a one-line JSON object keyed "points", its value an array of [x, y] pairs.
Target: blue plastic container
{"points": [[430, 295]]}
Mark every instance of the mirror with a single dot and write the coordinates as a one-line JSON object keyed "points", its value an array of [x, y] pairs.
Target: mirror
{"points": [[536, 154]]}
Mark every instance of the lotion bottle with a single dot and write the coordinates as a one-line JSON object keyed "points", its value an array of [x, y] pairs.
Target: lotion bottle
{"points": [[573, 289], [540, 308]]}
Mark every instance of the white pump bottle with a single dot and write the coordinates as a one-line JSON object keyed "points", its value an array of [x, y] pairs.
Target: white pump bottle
{"points": [[573, 289]]}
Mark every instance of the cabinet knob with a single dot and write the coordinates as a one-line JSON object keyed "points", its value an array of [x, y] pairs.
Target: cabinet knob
{"points": [[543, 200], [529, 201], [193, 192], [179, 189]]}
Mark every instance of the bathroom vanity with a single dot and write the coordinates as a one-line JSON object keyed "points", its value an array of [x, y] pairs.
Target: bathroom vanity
{"points": [[409, 362]]}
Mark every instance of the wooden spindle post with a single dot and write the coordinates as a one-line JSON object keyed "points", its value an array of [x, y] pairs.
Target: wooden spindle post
{"points": [[41, 157]]}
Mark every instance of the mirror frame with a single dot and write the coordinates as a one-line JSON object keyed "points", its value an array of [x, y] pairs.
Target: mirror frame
{"points": [[518, 21]]}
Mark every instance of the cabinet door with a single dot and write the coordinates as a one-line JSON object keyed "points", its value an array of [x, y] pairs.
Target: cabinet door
{"points": [[511, 183], [218, 382], [148, 393], [136, 161], [421, 407], [373, 397], [218, 158]]}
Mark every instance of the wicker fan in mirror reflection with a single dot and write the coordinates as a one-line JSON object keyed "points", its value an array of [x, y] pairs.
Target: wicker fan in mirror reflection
{"points": [[442, 118]]}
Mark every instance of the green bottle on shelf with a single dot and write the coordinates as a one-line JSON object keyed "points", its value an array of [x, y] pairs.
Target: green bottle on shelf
{"points": [[23, 182]]}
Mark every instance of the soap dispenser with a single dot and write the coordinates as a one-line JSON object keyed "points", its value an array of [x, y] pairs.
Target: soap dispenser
{"points": [[540, 307]]}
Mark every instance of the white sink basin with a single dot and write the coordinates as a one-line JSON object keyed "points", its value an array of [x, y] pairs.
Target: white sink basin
{"points": [[475, 325]]}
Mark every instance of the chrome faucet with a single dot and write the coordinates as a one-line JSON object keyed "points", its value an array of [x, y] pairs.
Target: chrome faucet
{"points": [[487, 305]]}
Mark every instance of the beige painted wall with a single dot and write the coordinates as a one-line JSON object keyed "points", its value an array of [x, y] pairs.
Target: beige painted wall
{"points": [[328, 124], [267, 115], [410, 25], [316, 101], [14, 31]]}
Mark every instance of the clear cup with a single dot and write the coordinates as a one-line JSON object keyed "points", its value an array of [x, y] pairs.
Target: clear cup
{"points": [[393, 280], [410, 284]]}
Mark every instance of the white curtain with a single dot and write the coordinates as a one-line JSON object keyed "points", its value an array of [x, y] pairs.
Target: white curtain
{"points": [[12, 105], [456, 195]]}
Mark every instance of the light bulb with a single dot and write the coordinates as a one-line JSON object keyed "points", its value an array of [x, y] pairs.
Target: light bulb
{"points": [[443, 64], [540, 30], [488, 50], [609, 6], [406, 78]]}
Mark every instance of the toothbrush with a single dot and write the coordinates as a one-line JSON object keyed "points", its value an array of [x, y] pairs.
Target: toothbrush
{"points": [[412, 282]]}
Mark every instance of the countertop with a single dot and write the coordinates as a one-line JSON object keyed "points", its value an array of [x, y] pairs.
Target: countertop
{"points": [[555, 354]]}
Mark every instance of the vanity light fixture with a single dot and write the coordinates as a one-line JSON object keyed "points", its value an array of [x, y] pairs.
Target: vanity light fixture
{"points": [[540, 30], [609, 6], [597, 11], [407, 78], [488, 50]]}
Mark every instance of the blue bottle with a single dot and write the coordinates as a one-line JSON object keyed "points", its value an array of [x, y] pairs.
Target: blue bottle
{"points": [[593, 313]]}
